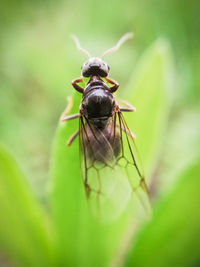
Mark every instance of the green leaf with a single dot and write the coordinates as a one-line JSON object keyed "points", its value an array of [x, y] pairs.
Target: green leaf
{"points": [[24, 230], [66, 187], [172, 237], [149, 91], [183, 139], [82, 240]]}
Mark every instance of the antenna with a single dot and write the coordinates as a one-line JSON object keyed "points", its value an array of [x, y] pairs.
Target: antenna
{"points": [[78, 46], [124, 38]]}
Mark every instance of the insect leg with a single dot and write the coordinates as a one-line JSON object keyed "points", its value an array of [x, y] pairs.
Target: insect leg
{"points": [[76, 86], [126, 129], [115, 84], [71, 139], [129, 132], [128, 107], [70, 117]]}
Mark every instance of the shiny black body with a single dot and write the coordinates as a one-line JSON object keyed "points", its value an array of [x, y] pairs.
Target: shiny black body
{"points": [[97, 102]]}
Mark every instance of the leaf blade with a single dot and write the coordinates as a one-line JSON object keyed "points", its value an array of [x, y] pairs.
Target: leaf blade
{"points": [[172, 232], [23, 233], [149, 91]]}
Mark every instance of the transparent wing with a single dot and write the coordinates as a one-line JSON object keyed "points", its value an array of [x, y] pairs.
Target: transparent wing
{"points": [[112, 178], [134, 170]]}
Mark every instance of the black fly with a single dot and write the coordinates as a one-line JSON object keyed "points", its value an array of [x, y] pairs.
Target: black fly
{"points": [[111, 174]]}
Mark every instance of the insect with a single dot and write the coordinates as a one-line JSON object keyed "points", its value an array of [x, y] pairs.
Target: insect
{"points": [[112, 177]]}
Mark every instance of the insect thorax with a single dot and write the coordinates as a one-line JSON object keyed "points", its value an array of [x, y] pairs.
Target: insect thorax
{"points": [[98, 104]]}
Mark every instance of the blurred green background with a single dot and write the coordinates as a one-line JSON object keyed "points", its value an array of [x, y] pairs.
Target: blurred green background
{"points": [[38, 60]]}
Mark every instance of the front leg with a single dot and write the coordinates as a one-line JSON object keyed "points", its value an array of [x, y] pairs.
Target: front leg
{"points": [[64, 116], [76, 86], [114, 87]]}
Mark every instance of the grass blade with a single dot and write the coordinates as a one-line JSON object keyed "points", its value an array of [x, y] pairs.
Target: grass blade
{"points": [[149, 91], [171, 238], [24, 233]]}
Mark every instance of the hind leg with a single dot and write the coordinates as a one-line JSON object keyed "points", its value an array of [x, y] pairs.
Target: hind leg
{"points": [[72, 138]]}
